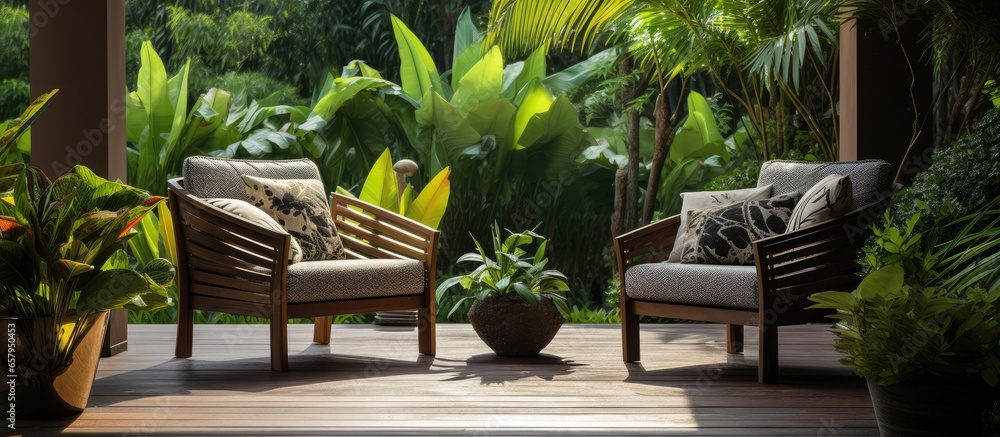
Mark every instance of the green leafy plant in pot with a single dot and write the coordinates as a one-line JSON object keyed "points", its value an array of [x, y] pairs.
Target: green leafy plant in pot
{"points": [[519, 305], [62, 267], [924, 327]]}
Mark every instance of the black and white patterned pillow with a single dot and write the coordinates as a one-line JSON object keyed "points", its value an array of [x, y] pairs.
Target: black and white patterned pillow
{"points": [[300, 207], [829, 198], [258, 216], [693, 201], [723, 235]]}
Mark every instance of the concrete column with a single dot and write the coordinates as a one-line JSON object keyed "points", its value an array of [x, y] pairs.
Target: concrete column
{"points": [[78, 46]]}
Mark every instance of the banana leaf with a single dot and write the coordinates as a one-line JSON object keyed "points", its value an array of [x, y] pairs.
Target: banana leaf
{"points": [[380, 186], [417, 71], [432, 202], [482, 82]]}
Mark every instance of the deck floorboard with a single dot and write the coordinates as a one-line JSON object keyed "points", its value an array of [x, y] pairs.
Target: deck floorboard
{"points": [[371, 381]]}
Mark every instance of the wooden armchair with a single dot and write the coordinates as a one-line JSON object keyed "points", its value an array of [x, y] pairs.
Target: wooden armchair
{"points": [[774, 292], [229, 264]]}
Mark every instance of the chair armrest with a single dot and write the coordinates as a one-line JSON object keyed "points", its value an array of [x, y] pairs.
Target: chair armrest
{"points": [[218, 249], [650, 243], [369, 231], [794, 265]]}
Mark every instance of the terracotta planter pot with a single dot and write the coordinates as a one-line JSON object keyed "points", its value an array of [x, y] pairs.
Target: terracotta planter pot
{"points": [[515, 328], [915, 409], [66, 393]]}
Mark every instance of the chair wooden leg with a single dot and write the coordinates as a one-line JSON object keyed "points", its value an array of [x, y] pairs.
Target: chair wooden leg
{"points": [[279, 344], [734, 339], [185, 326], [321, 329], [767, 368], [426, 329], [630, 337]]}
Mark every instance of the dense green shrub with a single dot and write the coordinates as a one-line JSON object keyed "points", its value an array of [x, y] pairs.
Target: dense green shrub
{"points": [[14, 97], [14, 50], [13, 61], [961, 176], [256, 86], [742, 175], [960, 180]]}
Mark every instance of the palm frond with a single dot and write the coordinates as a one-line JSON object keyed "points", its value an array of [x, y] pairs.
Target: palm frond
{"points": [[521, 26]]}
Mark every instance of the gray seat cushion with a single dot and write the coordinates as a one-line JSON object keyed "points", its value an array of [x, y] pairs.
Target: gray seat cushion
{"points": [[870, 178], [206, 176], [713, 285], [317, 281]]}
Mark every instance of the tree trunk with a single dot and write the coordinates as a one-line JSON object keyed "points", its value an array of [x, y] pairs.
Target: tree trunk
{"points": [[618, 217], [778, 110], [632, 196], [631, 216], [664, 137]]}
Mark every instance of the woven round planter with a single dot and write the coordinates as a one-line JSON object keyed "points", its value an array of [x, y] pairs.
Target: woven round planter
{"points": [[515, 328], [915, 409]]}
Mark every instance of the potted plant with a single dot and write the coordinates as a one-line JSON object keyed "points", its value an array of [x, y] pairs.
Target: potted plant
{"points": [[62, 267], [519, 305], [923, 327]]}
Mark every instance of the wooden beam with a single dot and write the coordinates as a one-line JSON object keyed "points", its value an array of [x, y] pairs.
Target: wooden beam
{"points": [[886, 94], [78, 46]]}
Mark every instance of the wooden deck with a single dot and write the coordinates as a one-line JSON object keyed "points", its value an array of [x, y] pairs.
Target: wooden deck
{"points": [[371, 381]]}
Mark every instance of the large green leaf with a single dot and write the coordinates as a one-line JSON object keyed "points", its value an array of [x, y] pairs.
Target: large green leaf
{"points": [[580, 73], [452, 131], [380, 185], [536, 99], [699, 137], [154, 95], [885, 281], [112, 289], [675, 181], [481, 83], [15, 130], [160, 271], [165, 226], [417, 71], [467, 47], [177, 89], [136, 118], [345, 89], [430, 205], [532, 68], [494, 117], [466, 33], [555, 138], [464, 62], [208, 114]]}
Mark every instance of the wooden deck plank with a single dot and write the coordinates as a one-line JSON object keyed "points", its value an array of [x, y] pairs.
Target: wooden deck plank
{"points": [[371, 381]]}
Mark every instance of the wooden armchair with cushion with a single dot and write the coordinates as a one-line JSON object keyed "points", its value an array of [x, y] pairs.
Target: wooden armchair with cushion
{"points": [[784, 270], [358, 258]]}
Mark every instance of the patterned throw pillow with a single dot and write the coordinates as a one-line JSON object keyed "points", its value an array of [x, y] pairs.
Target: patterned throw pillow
{"points": [[300, 207], [723, 235], [255, 215], [708, 199], [829, 198]]}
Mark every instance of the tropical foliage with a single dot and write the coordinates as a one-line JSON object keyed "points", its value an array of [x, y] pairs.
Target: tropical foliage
{"points": [[61, 247], [562, 25], [388, 190], [61, 254], [892, 331], [509, 269], [13, 61]]}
